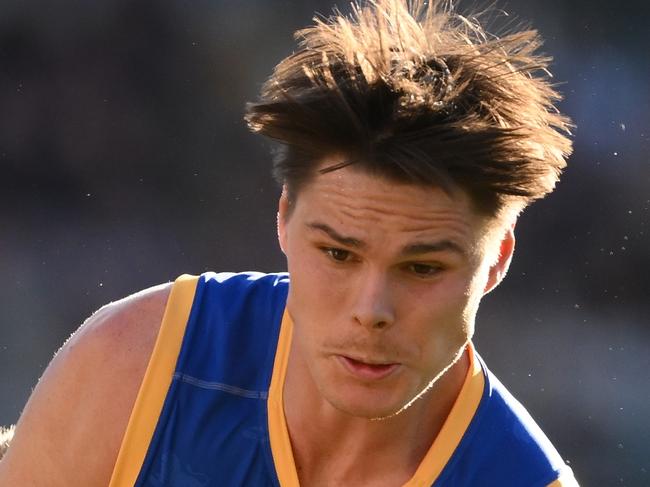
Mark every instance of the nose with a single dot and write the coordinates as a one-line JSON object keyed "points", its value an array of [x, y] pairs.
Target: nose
{"points": [[372, 306]]}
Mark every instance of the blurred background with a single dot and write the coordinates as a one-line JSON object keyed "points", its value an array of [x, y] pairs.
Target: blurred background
{"points": [[124, 162]]}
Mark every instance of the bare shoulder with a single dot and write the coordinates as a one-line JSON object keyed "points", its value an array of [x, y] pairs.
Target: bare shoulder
{"points": [[71, 428]]}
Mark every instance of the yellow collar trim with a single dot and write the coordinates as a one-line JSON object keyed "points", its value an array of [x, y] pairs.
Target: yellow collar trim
{"points": [[454, 426], [433, 462], [285, 466]]}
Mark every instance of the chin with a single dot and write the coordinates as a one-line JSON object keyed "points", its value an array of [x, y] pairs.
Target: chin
{"points": [[371, 405]]}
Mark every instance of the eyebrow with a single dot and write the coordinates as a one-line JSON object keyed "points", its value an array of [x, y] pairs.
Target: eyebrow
{"points": [[410, 250], [334, 235], [440, 246]]}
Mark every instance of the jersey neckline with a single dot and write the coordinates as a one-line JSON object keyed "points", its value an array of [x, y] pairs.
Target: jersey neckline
{"points": [[440, 451]]}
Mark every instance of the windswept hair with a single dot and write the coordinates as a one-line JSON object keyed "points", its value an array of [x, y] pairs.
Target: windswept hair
{"points": [[418, 93]]}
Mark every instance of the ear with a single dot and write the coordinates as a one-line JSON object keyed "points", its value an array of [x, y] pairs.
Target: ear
{"points": [[500, 266], [283, 215]]}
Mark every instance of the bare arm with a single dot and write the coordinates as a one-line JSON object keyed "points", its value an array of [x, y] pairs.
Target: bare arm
{"points": [[70, 431]]}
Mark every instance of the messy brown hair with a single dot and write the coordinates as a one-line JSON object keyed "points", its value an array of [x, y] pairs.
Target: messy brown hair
{"points": [[417, 93]]}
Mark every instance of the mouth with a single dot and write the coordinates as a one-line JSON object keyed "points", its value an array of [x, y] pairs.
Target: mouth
{"points": [[367, 371]]}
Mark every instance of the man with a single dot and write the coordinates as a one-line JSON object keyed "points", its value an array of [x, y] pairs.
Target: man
{"points": [[410, 140]]}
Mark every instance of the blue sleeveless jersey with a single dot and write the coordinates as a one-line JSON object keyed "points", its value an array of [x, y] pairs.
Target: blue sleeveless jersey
{"points": [[209, 411]]}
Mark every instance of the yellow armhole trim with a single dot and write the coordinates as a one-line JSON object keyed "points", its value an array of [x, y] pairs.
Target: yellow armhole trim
{"points": [[278, 432], [454, 427], [155, 384], [566, 479]]}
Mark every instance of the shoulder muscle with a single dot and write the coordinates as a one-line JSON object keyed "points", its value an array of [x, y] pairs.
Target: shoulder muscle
{"points": [[71, 428]]}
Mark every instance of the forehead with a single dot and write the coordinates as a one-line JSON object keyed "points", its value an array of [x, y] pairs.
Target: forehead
{"points": [[374, 205]]}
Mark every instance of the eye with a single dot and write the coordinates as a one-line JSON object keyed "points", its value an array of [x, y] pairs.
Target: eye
{"points": [[424, 270], [339, 255]]}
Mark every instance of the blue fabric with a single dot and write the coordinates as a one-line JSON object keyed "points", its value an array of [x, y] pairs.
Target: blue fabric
{"points": [[503, 446], [213, 428]]}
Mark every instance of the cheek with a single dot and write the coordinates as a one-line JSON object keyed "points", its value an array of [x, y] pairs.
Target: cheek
{"points": [[445, 317], [312, 273], [306, 278], [314, 291], [474, 294]]}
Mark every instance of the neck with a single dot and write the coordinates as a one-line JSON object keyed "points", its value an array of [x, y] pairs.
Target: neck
{"points": [[333, 447]]}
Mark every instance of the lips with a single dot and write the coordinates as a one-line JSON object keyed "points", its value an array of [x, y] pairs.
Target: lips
{"points": [[367, 371]]}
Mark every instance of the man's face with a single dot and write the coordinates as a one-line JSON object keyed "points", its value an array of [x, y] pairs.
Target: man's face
{"points": [[386, 279]]}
